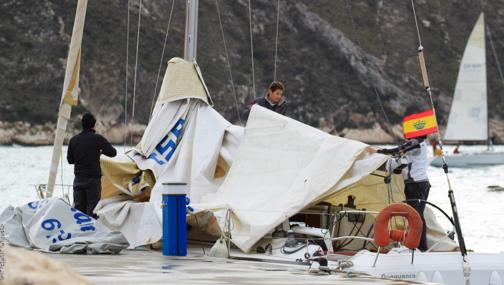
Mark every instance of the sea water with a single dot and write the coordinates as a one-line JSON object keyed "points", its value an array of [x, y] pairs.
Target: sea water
{"points": [[481, 211]]}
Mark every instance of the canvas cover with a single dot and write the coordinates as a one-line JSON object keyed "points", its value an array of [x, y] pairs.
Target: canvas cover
{"points": [[282, 167], [54, 226], [121, 175], [371, 192], [137, 221], [183, 80]]}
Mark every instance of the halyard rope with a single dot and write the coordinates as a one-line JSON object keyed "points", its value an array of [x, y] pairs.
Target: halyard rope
{"points": [[136, 68], [276, 40], [228, 63], [251, 48], [126, 77], [161, 60]]}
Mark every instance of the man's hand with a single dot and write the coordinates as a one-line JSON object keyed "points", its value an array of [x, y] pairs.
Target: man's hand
{"points": [[371, 150]]}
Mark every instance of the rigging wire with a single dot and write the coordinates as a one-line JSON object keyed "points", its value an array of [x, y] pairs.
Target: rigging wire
{"points": [[251, 48], [416, 24], [489, 142], [495, 56], [228, 62], [365, 62], [126, 77], [136, 68], [276, 40], [161, 60]]}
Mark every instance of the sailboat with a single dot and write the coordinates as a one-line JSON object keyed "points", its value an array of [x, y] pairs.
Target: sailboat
{"points": [[253, 182], [282, 196], [468, 119]]}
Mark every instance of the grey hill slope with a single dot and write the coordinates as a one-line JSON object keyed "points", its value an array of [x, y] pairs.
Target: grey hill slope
{"points": [[330, 66]]}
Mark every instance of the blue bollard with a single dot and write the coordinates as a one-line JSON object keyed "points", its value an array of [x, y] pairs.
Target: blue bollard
{"points": [[174, 219]]}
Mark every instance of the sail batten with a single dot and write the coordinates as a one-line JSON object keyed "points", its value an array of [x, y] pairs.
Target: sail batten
{"points": [[468, 119]]}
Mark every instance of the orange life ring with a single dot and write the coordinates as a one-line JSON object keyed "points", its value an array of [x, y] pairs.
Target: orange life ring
{"points": [[410, 238]]}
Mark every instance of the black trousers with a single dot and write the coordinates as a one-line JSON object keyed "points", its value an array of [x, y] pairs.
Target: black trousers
{"points": [[419, 190], [87, 193]]}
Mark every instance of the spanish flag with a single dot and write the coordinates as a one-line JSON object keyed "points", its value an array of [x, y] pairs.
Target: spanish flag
{"points": [[420, 124]]}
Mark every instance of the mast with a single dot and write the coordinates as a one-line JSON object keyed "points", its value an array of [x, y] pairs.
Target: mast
{"points": [[482, 15], [191, 31], [70, 91]]}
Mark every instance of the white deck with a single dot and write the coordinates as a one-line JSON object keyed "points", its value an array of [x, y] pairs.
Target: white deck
{"points": [[442, 267], [151, 267]]}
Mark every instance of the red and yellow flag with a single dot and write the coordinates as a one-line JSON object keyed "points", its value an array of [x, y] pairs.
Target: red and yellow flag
{"points": [[420, 124]]}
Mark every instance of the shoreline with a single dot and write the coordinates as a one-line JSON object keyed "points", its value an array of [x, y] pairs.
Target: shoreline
{"points": [[26, 134]]}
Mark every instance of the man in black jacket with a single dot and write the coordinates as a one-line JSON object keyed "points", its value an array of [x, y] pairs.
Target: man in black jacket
{"points": [[273, 100], [84, 151]]}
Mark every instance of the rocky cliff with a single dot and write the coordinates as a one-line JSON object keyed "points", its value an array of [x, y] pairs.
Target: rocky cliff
{"points": [[337, 58]]}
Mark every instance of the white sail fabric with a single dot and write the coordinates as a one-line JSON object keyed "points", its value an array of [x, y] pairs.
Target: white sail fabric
{"points": [[468, 115], [282, 167], [185, 137], [52, 225], [196, 147], [185, 141]]}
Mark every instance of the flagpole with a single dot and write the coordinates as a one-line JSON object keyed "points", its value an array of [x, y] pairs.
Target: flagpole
{"points": [[451, 195]]}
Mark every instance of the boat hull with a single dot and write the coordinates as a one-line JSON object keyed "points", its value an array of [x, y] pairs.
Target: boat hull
{"points": [[439, 267], [470, 159]]}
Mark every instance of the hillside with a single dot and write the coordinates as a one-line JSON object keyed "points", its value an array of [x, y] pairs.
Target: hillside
{"points": [[333, 56]]}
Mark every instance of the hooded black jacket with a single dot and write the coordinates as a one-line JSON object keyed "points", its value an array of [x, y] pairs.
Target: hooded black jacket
{"points": [[84, 151]]}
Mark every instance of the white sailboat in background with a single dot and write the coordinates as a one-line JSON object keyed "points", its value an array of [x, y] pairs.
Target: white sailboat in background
{"points": [[468, 119]]}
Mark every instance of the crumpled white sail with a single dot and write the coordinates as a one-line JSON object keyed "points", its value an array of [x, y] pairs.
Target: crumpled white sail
{"points": [[468, 114], [185, 141], [52, 225], [282, 167], [186, 137]]}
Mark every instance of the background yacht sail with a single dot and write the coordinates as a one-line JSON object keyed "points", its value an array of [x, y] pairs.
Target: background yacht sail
{"points": [[468, 115]]}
